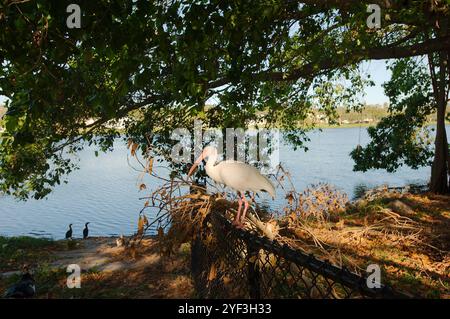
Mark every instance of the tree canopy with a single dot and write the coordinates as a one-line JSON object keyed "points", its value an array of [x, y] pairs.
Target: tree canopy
{"points": [[157, 63]]}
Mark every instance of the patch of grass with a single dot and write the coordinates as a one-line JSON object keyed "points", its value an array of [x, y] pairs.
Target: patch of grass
{"points": [[52, 283], [16, 251], [47, 280], [155, 278], [410, 280]]}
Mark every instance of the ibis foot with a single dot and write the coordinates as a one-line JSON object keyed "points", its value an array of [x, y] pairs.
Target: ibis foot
{"points": [[238, 224]]}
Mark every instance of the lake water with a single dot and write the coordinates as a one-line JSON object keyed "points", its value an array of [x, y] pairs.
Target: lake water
{"points": [[105, 189]]}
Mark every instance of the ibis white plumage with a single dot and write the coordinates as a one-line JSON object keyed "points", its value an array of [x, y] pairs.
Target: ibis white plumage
{"points": [[239, 176]]}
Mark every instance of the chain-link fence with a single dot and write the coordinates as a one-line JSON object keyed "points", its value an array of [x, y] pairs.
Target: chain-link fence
{"points": [[234, 263]]}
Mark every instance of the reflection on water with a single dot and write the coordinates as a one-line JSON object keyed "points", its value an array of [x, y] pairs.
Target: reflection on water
{"points": [[105, 190]]}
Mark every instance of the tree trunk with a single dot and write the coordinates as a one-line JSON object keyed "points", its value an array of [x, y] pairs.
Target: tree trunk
{"points": [[440, 168]]}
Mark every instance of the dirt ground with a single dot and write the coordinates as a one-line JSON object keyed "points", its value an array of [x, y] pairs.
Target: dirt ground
{"points": [[407, 235]]}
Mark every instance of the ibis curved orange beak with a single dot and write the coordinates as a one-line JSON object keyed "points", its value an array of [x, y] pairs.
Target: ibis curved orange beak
{"points": [[196, 163]]}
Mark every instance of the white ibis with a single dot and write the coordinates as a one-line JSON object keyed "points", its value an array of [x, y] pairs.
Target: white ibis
{"points": [[69, 232], [238, 176]]}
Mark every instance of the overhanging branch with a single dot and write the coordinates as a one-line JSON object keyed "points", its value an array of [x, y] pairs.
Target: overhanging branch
{"points": [[380, 53], [121, 113]]}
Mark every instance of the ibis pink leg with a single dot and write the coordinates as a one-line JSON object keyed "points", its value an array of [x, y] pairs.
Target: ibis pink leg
{"points": [[245, 210], [238, 214], [241, 219]]}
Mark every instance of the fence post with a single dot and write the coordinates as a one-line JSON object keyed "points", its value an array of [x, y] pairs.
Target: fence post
{"points": [[254, 275], [199, 265], [199, 259]]}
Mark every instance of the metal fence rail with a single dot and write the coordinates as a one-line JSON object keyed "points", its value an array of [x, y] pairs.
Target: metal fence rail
{"points": [[242, 264]]}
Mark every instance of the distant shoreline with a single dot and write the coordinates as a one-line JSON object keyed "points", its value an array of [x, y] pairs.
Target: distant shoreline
{"points": [[349, 125], [365, 125]]}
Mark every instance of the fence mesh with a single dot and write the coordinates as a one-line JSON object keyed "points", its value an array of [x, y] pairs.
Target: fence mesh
{"points": [[238, 263]]}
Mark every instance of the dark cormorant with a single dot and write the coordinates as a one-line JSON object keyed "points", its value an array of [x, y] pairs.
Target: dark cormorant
{"points": [[69, 232], [25, 288], [85, 231]]}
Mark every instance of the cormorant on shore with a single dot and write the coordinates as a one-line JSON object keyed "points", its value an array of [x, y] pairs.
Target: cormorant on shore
{"points": [[69, 232], [86, 231]]}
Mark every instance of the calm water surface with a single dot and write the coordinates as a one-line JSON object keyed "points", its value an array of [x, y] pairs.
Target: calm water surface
{"points": [[105, 189]]}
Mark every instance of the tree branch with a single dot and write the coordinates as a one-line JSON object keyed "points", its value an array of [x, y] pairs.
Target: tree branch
{"points": [[121, 113], [380, 53]]}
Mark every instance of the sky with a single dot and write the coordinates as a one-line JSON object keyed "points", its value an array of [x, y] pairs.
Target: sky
{"points": [[379, 74], [373, 95]]}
